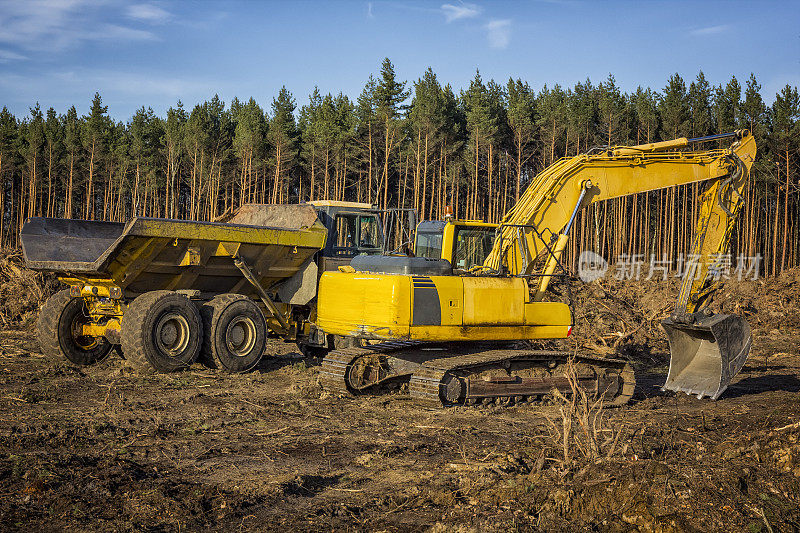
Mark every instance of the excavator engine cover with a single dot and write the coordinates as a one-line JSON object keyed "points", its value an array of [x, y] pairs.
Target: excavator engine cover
{"points": [[706, 352]]}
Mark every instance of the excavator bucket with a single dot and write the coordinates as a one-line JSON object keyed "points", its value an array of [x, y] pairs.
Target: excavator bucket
{"points": [[706, 354]]}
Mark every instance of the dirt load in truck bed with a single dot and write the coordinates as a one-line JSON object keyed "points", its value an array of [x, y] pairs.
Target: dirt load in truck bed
{"points": [[107, 449]]}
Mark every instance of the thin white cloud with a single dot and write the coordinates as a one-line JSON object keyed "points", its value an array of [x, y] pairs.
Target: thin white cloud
{"points": [[148, 13], [499, 33], [370, 15], [6, 56], [461, 11], [57, 25], [710, 30], [113, 32], [113, 82]]}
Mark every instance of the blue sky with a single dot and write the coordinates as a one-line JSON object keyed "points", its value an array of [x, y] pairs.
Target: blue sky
{"points": [[59, 52]]}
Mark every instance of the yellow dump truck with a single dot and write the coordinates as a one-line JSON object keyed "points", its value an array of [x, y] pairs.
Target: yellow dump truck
{"points": [[168, 292]]}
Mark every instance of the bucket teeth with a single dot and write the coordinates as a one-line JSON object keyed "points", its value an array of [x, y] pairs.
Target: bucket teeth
{"points": [[706, 354]]}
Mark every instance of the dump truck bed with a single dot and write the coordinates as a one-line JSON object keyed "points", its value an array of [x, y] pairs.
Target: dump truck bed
{"points": [[149, 254]]}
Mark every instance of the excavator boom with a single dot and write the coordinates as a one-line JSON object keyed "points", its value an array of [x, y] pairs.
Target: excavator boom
{"points": [[706, 350]]}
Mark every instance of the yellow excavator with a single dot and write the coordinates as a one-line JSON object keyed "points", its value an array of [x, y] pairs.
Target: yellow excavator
{"points": [[449, 319]]}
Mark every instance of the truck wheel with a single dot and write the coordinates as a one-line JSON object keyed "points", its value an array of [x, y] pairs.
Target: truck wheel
{"points": [[162, 330], [235, 333], [59, 331]]}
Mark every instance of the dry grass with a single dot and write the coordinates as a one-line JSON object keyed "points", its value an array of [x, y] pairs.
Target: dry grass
{"points": [[582, 429]]}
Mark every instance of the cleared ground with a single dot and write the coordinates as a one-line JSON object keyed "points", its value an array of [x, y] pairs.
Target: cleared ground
{"points": [[106, 448]]}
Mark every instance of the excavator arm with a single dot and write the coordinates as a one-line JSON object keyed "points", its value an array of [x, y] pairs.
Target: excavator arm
{"points": [[706, 350], [549, 204]]}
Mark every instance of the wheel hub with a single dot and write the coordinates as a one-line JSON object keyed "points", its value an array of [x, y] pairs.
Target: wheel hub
{"points": [[172, 333], [84, 342], [240, 336]]}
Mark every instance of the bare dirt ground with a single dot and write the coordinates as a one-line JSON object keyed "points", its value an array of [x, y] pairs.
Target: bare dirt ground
{"points": [[108, 449]]}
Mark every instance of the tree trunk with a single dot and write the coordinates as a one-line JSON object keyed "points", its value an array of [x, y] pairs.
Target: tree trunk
{"points": [[369, 177], [49, 179], [417, 172], [785, 213], [775, 230], [386, 165], [313, 170], [68, 192], [327, 163], [519, 167], [89, 210], [424, 179], [475, 181], [278, 155], [135, 199], [490, 161]]}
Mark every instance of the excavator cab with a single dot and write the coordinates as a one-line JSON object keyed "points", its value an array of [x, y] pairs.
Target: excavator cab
{"points": [[464, 243]]}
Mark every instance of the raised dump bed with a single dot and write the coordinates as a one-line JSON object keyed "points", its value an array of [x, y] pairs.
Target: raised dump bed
{"points": [[154, 285], [149, 254]]}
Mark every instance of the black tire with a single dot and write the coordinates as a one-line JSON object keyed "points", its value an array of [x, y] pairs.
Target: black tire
{"points": [[235, 333], [58, 320], [163, 331]]}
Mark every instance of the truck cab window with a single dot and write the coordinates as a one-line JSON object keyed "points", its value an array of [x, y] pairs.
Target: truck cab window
{"points": [[345, 231], [357, 234]]}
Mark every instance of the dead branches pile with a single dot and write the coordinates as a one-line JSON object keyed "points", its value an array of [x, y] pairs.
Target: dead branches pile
{"points": [[22, 291]]}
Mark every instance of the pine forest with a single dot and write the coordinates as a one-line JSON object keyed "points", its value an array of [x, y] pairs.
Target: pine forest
{"points": [[417, 144]]}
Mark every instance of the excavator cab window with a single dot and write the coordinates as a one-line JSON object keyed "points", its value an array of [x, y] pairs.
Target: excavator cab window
{"points": [[368, 232], [429, 245], [430, 236], [472, 246]]}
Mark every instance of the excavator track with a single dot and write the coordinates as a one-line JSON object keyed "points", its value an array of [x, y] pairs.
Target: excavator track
{"points": [[440, 382], [333, 375], [472, 378]]}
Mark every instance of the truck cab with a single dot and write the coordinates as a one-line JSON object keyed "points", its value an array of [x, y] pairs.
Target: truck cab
{"points": [[354, 228]]}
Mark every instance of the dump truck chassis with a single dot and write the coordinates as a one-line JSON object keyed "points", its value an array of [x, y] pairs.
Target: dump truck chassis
{"points": [[226, 332]]}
